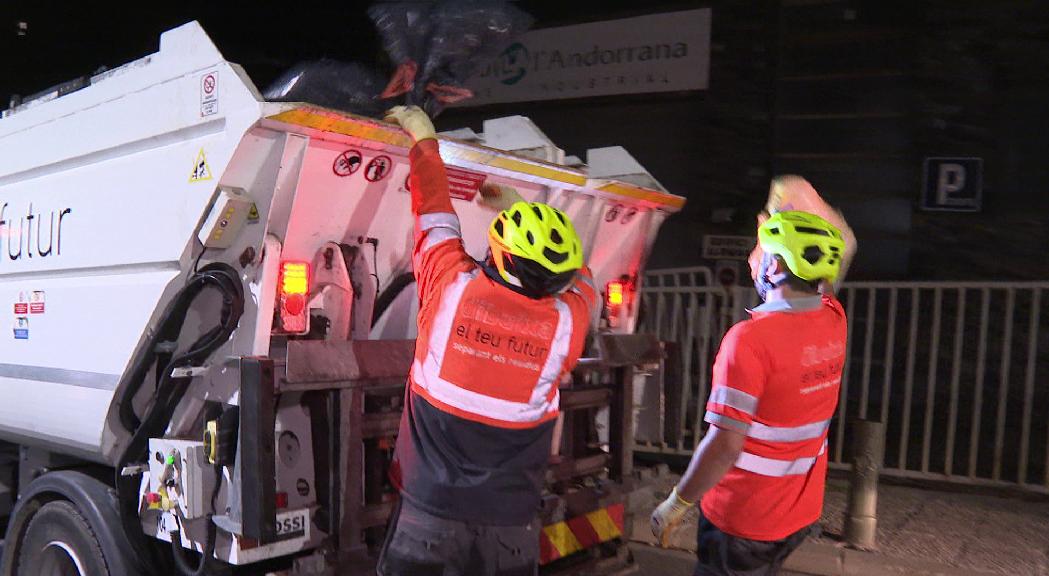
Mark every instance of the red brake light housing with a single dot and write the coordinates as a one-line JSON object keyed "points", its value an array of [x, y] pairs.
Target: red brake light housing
{"points": [[619, 298], [293, 297]]}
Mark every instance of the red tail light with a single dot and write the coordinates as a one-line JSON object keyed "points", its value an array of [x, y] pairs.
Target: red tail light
{"points": [[614, 293], [619, 295], [294, 293]]}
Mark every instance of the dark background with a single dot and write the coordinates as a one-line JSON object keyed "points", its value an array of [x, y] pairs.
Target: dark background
{"points": [[851, 94]]}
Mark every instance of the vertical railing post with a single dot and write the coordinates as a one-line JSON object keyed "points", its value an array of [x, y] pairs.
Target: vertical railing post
{"points": [[868, 450]]}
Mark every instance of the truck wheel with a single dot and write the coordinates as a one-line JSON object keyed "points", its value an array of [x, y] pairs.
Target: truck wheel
{"points": [[59, 542]]}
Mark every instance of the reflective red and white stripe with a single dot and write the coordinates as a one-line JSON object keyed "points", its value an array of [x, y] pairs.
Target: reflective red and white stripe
{"points": [[437, 228], [746, 406]]}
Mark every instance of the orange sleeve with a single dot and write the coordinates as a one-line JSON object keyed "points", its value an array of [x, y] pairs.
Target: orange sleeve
{"points": [[439, 251], [429, 179]]}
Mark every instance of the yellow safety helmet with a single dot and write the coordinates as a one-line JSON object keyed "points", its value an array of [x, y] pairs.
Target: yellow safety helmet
{"points": [[811, 247], [535, 247]]}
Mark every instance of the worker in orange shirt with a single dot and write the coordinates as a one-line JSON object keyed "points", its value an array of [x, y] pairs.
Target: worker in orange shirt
{"points": [[760, 470], [495, 339]]}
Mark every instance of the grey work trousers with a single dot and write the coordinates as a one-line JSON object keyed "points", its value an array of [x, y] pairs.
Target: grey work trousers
{"points": [[421, 544]]}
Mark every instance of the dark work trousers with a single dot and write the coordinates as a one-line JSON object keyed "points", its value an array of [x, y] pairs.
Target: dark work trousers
{"points": [[421, 544], [722, 554]]}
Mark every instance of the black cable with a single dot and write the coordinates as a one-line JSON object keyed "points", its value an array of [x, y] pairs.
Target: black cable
{"points": [[170, 389], [178, 553]]}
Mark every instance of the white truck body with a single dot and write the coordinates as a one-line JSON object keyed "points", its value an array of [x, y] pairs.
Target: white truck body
{"points": [[108, 192]]}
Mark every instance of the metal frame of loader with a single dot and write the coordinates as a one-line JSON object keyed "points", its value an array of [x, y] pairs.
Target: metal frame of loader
{"points": [[584, 510]]}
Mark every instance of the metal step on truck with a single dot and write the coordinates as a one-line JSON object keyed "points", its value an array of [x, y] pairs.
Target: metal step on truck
{"points": [[212, 317]]}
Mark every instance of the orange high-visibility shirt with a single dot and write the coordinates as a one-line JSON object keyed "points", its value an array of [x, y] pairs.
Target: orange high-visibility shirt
{"points": [[776, 380]]}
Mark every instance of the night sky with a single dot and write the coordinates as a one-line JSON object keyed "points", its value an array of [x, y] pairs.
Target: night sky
{"points": [[64, 40]]}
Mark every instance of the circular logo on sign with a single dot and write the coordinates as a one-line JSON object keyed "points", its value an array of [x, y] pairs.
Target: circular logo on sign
{"points": [[513, 65], [378, 168], [347, 163]]}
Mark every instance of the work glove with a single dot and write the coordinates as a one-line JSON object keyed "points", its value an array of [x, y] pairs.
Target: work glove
{"points": [[668, 516], [498, 197], [414, 121]]}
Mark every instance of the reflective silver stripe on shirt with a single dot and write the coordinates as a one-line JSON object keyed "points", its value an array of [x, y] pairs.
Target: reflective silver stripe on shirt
{"points": [[733, 398], [438, 235], [439, 220], [778, 468], [788, 434], [722, 421]]}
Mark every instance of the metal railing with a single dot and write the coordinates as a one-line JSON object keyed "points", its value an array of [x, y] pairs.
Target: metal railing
{"points": [[952, 369]]}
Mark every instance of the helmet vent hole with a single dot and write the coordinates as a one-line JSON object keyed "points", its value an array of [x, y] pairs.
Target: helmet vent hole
{"points": [[560, 217], [555, 257], [538, 212], [531, 239], [810, 230], [516, 217], [774, 231], [556, 238], [499, 228], [812, 254]]}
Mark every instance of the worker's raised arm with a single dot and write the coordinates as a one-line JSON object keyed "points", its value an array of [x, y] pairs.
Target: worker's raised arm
{"points": [[435, 219]]}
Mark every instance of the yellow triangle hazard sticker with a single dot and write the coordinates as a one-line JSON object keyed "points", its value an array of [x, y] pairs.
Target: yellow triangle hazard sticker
{"points": [[201, 170], [253, 213]]}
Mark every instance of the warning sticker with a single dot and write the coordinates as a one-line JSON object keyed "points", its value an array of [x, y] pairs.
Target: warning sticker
{"points": [[201, 170], [347, 163], [21, 308], [464, 184], [21, 328], [378, 168], [253, 213], [209, 94], [36, 302]]}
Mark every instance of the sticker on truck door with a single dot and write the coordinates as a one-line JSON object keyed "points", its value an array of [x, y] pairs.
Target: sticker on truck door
{"points": [[378, 168], [201, 170], [209, 94], [21, 328], [291, 525], [347, 163]]}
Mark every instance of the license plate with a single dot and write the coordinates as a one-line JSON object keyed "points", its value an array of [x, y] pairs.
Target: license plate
{"points": [[295, 524]]}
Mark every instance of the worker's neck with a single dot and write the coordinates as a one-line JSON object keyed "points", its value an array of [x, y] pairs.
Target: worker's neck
{"points": [[785, 292]]}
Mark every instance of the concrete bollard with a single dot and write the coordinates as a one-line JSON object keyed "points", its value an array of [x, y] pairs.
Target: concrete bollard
{"points": [[868, 452]]}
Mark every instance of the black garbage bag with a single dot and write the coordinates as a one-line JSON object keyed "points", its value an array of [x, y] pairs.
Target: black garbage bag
{"points": [[404, 28], [437, 46], [467, 35], [434, 46], [348, 86]]}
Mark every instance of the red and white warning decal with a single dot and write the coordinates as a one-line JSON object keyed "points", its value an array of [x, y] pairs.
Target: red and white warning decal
{"points": [[209, 93], [378, 168], [36, 302], [347, 163], [464, 184]]}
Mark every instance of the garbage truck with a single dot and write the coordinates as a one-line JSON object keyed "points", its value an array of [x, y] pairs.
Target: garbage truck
{"points": [[213, 312]]}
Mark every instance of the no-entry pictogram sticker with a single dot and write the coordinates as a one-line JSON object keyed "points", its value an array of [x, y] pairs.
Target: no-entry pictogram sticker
{"points": [[378, 168], [209, 84], [347, 163]]}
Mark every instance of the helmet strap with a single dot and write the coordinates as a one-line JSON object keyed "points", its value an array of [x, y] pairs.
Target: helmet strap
{"points": [[765, 283]]}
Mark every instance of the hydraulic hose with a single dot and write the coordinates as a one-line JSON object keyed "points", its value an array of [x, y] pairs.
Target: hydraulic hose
{"points": [[170, 391]]}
